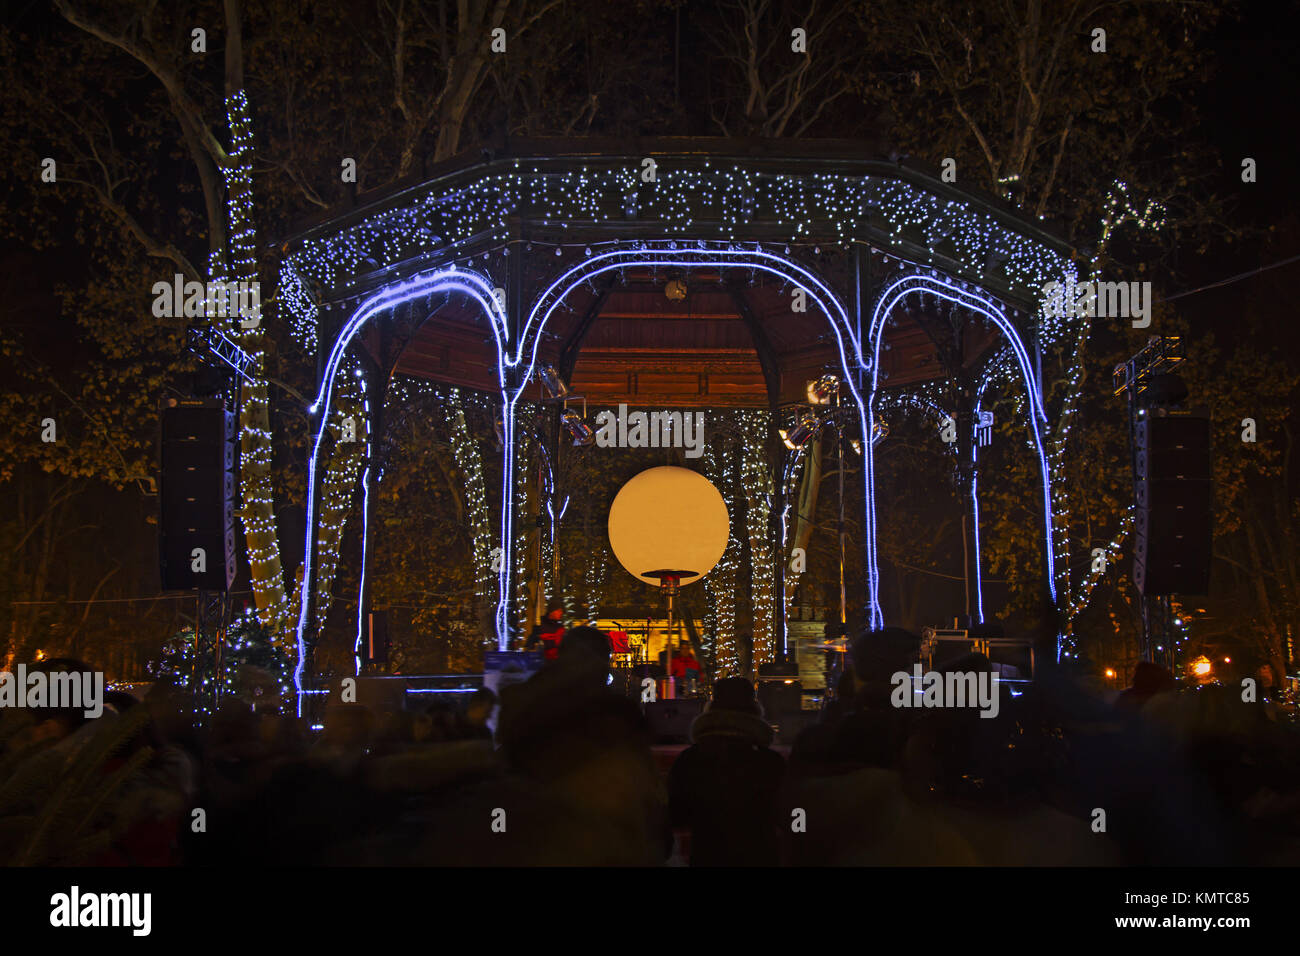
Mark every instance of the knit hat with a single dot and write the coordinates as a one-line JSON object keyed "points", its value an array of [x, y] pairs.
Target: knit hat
{"points": [[734, 693], [587, 642]]}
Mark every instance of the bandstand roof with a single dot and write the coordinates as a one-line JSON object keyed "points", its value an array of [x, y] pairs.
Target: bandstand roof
{"points": [[619, 337]]}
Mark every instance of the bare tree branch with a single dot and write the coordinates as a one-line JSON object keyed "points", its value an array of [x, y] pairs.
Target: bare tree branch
{"points": [[152, 246]]}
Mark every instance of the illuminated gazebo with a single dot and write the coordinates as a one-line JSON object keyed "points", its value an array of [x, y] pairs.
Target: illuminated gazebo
{"points": [[794, 261]]}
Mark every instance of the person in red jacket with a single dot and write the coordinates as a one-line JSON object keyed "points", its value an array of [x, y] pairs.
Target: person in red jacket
{"points": [[548, 633], [685, 666]]}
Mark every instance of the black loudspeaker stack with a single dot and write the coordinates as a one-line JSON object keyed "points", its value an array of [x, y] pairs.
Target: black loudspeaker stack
{"points": [[196, 522], [1175, 520], [780, 697]]}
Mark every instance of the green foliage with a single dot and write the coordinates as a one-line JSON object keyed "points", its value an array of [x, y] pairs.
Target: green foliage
{"points": [[253, 668]]}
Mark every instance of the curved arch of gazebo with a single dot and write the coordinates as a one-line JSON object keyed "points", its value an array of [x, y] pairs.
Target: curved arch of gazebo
{"points": [[929, 282], [953, 246], [514, 375], [450, 279], [517, 362]]}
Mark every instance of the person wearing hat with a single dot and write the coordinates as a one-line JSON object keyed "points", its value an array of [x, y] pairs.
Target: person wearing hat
{"points": [[723, 788]]}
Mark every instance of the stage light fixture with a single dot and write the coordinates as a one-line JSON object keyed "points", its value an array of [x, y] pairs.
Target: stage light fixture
{"points": [[807, 427], [577, 427], [675, 288], [823, 391], [552, 382]]}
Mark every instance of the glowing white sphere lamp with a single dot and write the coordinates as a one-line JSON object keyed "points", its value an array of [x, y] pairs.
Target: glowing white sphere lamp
{"points": [[669, 526], [669, 519]]}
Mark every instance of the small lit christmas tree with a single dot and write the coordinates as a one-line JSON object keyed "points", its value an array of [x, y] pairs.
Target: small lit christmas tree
{"points": [[252, 668]]}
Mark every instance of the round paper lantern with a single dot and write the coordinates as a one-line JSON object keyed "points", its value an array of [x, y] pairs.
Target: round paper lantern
{"points": [[669, 519]]}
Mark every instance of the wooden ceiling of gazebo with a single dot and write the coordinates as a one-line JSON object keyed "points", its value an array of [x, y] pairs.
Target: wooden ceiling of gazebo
{"points": [[648, 350]]}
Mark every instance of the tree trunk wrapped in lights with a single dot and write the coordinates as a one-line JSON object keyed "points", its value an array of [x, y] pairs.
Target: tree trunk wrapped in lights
{"points": [[274, 607], [720, 584], [343, 468], [598, 564], [756, 480], [469, 459], [1073, 599], [277, 607], [526, 494]]}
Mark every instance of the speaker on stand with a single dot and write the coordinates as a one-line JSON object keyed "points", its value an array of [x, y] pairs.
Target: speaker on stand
{"points": [[1172, 499], [1174, 521], [196, 528], [196, 521]]}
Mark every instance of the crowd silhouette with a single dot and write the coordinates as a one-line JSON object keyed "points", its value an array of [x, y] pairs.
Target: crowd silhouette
{"points": [[1164, 774]]}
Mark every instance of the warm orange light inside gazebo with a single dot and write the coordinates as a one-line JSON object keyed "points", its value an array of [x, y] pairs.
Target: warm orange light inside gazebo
{"points": [[668, 518]]}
